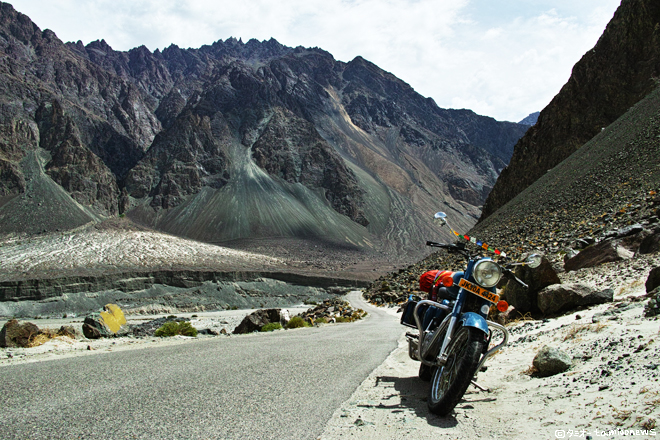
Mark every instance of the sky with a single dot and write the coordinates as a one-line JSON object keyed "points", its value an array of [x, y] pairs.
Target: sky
{"points": [[504, 58]]}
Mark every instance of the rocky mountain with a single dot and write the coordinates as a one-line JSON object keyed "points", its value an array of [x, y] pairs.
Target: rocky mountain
{"points": [[232, 141], [609, 79], [604, 197], [531, 119]]}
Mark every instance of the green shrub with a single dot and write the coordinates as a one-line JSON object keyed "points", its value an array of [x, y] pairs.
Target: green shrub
{"points": [[297, 322], [358, 314], [343, 319], [271, 326], [173, 328], [321, 320]]}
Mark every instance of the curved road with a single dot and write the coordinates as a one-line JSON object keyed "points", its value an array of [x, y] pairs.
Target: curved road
{"points": [[278, 385]]}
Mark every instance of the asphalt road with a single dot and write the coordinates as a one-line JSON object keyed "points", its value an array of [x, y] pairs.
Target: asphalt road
{"points": [[280, 385]]}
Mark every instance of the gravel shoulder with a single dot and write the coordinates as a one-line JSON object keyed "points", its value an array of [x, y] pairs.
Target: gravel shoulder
{"points": [[62, 346]]}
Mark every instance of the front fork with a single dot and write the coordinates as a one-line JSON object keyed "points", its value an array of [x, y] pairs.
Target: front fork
{"points": [[450, 323]]}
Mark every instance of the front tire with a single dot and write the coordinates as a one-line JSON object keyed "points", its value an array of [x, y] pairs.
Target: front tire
{"points": [[450, 381]]}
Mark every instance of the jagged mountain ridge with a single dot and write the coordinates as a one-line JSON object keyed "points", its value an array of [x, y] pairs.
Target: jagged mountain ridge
{"points": [[231, 141], [609, 79], [530, 119]]}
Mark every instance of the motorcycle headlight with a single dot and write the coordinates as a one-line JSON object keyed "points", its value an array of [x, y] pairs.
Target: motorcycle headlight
{"points": [[487, 273]]}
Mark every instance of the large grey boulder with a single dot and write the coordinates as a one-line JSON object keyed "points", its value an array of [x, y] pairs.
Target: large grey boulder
{"points": [[550, 361], [17, 334], [525, 300], [565, 297], [108, 323]]}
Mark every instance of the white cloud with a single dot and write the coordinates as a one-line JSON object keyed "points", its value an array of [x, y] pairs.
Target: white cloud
{"points": [[499, 59]]}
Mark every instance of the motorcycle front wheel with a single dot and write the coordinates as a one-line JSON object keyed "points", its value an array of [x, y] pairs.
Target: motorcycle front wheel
{"points": [[450, 381]]}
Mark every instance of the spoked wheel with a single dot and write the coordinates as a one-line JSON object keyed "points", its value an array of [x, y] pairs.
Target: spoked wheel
{"points": [[450, 381]]}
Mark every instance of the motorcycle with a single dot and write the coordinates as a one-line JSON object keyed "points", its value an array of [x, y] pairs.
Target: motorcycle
{"points": [[453, 330]]}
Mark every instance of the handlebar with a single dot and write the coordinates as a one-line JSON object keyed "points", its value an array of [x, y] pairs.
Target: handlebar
{"points": [[456, 247], [440, 245]]}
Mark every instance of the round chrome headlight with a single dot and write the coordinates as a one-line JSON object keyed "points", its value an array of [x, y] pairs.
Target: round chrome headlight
{"points": [[487, 273]]}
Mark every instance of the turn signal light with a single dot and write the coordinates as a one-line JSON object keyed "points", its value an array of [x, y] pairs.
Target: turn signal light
{"points": [[448, 281], [502, 306]]}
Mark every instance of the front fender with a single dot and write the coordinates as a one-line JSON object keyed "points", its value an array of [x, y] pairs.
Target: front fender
{"points": [[471, 319]]}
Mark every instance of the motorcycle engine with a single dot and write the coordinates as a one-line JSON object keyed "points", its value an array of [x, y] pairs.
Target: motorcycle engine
{"points": [[426, 351]]}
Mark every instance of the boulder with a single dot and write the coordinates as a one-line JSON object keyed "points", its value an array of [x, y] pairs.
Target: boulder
{"points": [[650, 244], [107, 323], [653, 280], [257, 319], [17, 334], [525, 300], [550, 361], [652, 308], [564, 297], [68, 331], [604, 252]]}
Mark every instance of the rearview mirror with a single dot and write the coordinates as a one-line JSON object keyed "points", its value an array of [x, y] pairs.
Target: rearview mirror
{"points": [[440, 217], [533, 261]]}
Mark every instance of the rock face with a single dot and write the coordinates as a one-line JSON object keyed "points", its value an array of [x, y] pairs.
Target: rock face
{"points": [[231, 141], [588, 195], [605, 83], [550, 361], [565, 297]]}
